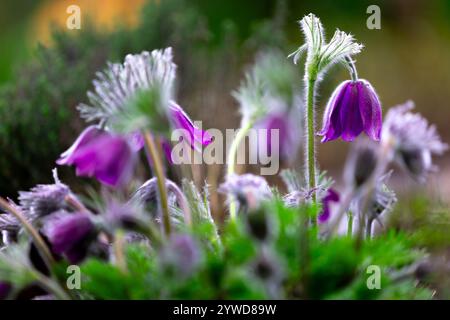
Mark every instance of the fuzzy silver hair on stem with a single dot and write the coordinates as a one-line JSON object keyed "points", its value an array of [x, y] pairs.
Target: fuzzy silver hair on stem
{"points": [[319, 57]]}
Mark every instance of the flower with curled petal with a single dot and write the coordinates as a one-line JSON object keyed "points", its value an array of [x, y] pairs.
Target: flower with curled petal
{"points": [[194, 136], [98, 153], [413, 140]]}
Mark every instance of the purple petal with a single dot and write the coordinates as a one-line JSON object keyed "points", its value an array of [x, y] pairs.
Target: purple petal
{"points": [[332, 127], [68, 234], [350, 115], [107, 157], [167, 149], [136, 140], [88, 134], [331, 196], [370, 108], [182, 121]]}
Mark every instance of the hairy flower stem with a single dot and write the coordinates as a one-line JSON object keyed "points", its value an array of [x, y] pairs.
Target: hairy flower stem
{"points": [[353, 72], [37, 239], [159, 173], [310, 138], [231, 162]]}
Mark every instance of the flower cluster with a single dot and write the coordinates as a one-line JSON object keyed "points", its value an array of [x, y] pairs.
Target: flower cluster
{"points": [[162, 240]]}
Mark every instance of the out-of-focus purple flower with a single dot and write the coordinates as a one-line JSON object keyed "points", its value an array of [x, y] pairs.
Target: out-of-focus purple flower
{"points": [[353, 108], [43, 199], [247, 189], [136, 141], [286, 145], [88, 135], [193, 135], [414, 140], [330, 197], [5, 289], [70, 234], [167, 149], [181, 255], [102, 155]]}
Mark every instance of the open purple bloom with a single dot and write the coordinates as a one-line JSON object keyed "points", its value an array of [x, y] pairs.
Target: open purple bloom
{"points": [[353, 108], [69, 234], [100, 154], [331, 196], [193, 135]]}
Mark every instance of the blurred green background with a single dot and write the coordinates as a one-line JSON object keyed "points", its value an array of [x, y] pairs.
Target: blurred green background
{"points": [[46, 69]]}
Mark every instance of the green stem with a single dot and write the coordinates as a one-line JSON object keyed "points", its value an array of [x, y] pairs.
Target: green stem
{"points": [[310, 140], [350, 224], [369, 228], [52, 287], [159, 173], [232, 158]]}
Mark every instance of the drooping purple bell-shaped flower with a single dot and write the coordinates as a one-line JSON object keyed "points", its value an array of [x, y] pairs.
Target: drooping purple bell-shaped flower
{"points": [[331, 196], [70, 234], [353, 108], [97, 153], [193, 135]]}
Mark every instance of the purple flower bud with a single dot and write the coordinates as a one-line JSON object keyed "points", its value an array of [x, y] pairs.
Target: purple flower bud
{"points": [[70, 234], [5, 289], [353, 108], [193, 135], [107, 157], [331, 196]]}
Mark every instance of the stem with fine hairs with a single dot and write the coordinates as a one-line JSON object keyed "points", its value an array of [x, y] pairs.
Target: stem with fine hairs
{"points": [[159, 173]]}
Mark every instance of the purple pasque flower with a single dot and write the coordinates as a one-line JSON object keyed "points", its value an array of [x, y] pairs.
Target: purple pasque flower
{"points": [[69, 234], [97, 153], [414, 140], [330, 197], [286, 145], [193, 135], [353, 108]]}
